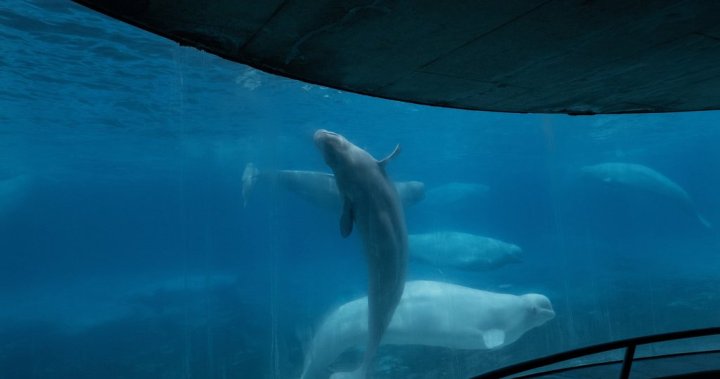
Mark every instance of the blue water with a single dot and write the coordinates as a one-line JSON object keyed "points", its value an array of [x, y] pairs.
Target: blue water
{"points": [[126, 252]]}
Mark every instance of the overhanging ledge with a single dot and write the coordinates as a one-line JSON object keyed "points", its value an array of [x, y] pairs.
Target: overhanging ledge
{"points": [[530, 56]]}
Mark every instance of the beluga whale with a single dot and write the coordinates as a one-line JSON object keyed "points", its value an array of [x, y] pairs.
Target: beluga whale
{"points": [[431, 314], [370, 201], [643, 178], [317, 188], [463, 251]]}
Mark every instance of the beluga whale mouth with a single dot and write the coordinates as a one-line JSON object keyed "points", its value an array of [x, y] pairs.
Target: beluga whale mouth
{"points": [[370, 201]]}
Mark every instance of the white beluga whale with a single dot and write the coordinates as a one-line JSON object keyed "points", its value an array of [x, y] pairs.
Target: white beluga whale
{"points": [[643, 178], [318, 188], [431, 314], [462, 250], [371, 202]]}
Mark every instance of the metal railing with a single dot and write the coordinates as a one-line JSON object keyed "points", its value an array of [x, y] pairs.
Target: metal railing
{"points": [[629, 345]]}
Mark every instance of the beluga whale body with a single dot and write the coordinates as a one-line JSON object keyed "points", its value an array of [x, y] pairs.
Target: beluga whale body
{"points": [[643, 178], [463, 251], [318, 188], [371, 202], [431, 314]]}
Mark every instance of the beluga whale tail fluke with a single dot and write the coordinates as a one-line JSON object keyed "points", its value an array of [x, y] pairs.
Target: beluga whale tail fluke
{"points": [[370, 201]]}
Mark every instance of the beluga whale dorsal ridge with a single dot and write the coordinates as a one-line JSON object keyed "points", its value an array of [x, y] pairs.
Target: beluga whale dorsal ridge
{"points": [[370, 202]]}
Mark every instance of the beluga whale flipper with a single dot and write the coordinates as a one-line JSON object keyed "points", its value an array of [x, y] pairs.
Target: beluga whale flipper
{"points": [[370, 201]]}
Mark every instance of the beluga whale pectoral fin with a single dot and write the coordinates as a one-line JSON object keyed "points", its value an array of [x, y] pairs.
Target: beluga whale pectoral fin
{"points": [[383, 162], [346, 219], [493, 338]]}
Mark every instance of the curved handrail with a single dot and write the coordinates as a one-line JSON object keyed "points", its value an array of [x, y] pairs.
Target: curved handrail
{"points": [[628, 344]]}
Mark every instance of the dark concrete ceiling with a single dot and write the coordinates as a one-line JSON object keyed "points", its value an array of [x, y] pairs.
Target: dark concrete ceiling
{"points": [[539, 56]]}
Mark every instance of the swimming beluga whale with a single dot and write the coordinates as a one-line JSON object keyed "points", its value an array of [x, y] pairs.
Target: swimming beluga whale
{"points": [[371, 202], [463, 251], [318, 188], [431, 314], [644, 178]]}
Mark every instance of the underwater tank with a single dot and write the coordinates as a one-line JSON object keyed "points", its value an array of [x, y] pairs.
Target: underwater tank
{"points": [[166, 213]]}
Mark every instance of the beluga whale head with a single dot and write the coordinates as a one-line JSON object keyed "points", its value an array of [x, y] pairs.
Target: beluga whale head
{"points": [[339, 153], [333, 147], [539, 309]]}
